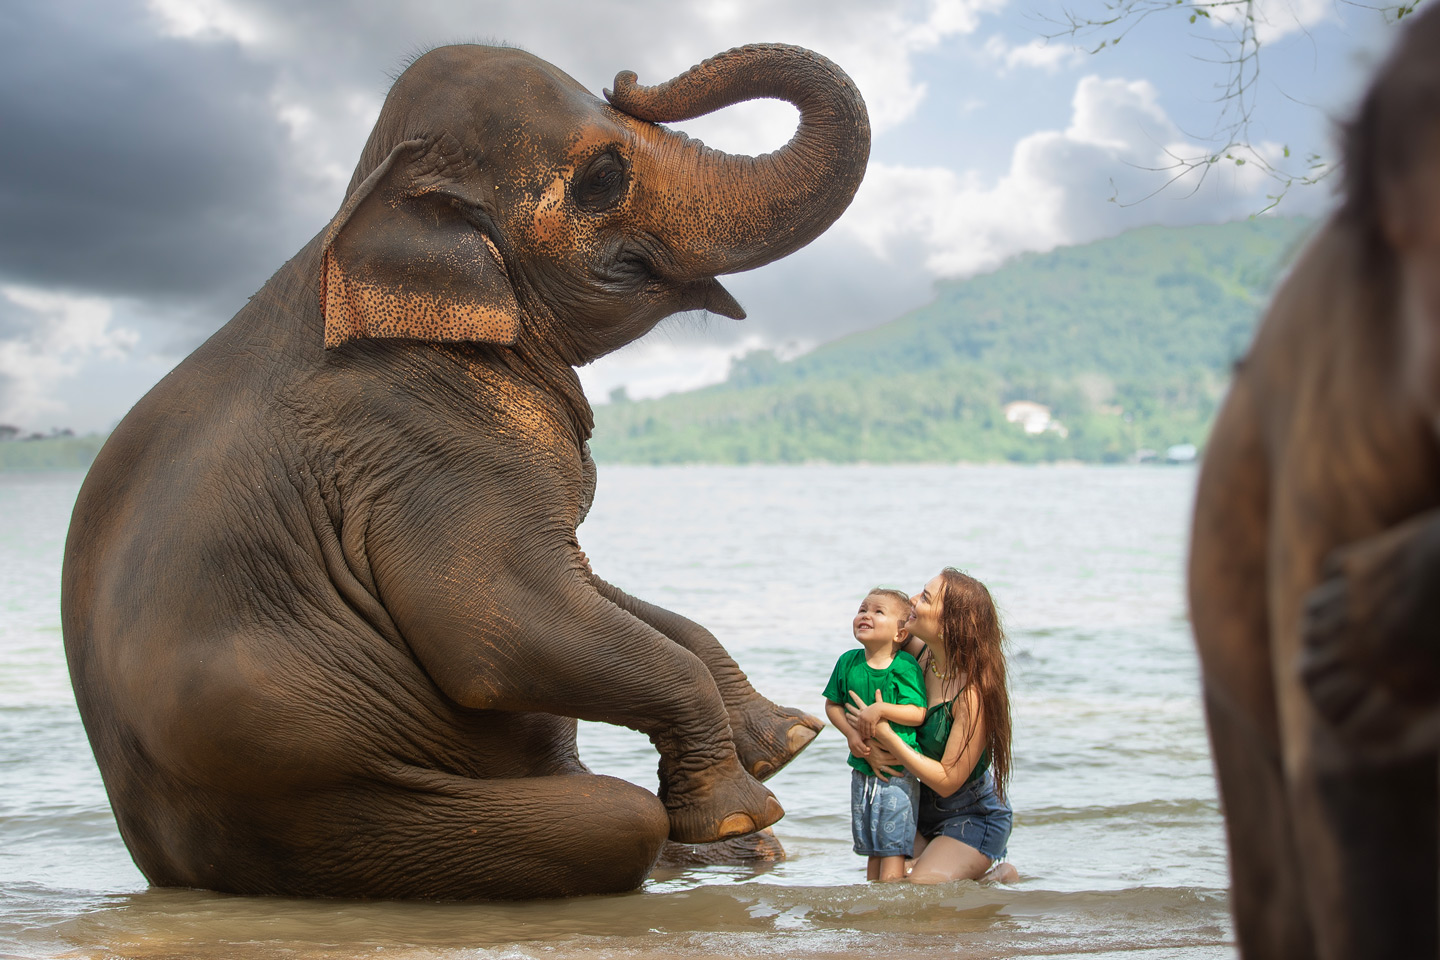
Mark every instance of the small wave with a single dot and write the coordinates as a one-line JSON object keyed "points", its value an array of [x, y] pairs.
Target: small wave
{"points": [[1187, 809]]}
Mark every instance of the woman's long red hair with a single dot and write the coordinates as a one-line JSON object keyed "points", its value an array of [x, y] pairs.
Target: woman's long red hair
{"points": [[974, 646]]}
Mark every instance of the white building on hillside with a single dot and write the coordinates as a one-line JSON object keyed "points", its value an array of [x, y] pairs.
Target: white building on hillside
{"points": [[1034, 418]]}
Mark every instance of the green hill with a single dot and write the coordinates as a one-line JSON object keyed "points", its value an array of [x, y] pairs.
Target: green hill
{"points": [[50, 453], [1128, 341]]}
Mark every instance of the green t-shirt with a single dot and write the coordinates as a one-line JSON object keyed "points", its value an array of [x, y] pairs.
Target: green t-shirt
{"points": [[932, 736], [901, 682]]}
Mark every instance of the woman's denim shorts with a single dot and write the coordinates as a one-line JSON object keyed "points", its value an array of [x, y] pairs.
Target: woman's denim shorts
{"points": [[975, 815]]}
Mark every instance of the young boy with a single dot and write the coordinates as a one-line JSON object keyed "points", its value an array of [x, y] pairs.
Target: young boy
{"points": [[882, 812]]}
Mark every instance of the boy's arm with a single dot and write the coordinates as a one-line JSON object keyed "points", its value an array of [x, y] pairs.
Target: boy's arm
{"points": [[905, 714], [836, 715], [908, 696], [864, 716]]}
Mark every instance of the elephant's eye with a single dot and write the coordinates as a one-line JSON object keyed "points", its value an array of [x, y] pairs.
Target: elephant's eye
{"points": [[601, 183]]}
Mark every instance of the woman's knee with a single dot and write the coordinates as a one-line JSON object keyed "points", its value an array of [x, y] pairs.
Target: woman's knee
{"points": [[947, 859]]}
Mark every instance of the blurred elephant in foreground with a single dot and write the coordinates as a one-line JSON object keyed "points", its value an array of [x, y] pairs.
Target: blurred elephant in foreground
{"points": [[1315, 560], [325, 611]]}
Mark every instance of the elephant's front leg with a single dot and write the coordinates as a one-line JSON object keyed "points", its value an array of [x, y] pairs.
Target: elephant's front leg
{"points": [[497, 631], [767, 735], [1371, 658]]}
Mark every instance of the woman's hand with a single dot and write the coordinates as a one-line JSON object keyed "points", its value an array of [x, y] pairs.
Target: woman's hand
{"points": [[865, 717], [883, 762]]}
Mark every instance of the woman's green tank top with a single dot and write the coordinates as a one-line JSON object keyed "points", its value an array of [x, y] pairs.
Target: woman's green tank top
{"points": [[932, 735]]}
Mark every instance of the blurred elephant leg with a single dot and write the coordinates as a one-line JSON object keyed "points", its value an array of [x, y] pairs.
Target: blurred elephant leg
{"points": [[431, 835], [767, 736], [1380, 821], [1368, 857], [1364, 792], [1228, 603]]}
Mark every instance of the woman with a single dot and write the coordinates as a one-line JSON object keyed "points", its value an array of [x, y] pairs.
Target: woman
{"points": [[963, 764]]}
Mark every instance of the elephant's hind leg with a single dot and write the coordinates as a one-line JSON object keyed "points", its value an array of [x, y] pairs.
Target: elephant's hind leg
{"points": [[442, 837]]}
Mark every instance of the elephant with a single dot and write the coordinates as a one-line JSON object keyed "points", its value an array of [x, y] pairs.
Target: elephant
{"points": [[1315, 560], [325, 610]]}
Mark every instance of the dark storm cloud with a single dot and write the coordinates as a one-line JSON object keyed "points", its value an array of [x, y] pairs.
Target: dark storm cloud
{"points": [[134, 164]]}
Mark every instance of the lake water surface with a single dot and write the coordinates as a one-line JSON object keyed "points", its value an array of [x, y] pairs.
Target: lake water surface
{"points": [[1118, 836]]}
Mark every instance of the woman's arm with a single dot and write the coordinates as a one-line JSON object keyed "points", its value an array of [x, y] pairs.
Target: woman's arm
{"points": [[882, 762], [950, 772]]}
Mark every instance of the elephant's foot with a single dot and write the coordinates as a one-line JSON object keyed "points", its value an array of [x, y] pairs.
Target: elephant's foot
{"points": [[717, 803], [759, 847], [768, 736]]}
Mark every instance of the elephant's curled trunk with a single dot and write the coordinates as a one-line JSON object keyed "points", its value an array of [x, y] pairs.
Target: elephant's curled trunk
{"points": [[725, 213]]}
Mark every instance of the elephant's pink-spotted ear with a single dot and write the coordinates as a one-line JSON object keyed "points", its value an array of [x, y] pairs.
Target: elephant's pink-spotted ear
{"points": [[397, 263]]}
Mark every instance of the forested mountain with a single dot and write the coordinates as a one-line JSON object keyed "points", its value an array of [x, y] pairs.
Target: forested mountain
{"points": [[1128, 342]]}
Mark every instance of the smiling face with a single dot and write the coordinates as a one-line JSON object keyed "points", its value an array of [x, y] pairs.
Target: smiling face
{"points": [[879, 624], [925, 620]]}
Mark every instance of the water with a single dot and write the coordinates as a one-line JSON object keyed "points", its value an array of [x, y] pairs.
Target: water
{"points": [[1118, 836]]}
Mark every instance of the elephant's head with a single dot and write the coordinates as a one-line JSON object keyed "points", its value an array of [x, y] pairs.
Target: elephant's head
{"points": [[499, 201]]}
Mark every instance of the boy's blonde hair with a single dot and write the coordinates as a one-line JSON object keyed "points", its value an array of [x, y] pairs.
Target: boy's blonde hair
{"points": [[906, 608]]}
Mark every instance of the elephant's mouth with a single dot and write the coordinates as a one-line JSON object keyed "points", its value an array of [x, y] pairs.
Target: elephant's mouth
{"points": [[637, 262]]}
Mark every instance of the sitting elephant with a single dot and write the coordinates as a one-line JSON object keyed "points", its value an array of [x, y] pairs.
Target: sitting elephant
{"points": [[1315, 561], [326, 615]]}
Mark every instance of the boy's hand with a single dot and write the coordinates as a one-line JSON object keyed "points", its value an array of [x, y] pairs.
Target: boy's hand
{"points": [[865, 716], [858, 746]]}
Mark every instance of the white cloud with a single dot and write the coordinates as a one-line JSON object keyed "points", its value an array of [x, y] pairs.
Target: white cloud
{"points": [[56, 334], [206, 20], [1275, 19], [1056, 191], [1038, 54], [327, 58]]}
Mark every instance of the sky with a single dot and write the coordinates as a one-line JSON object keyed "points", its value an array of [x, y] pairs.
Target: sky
{"points": [[160, 159]]}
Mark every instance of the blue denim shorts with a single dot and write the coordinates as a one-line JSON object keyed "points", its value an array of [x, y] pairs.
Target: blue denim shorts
{"points": [[975, 815], [882, 815]]}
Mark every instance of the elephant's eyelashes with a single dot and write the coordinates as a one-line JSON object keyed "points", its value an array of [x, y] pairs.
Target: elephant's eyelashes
{"points": [[601, 183]]}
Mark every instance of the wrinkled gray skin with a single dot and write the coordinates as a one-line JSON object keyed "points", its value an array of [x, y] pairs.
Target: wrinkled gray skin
{"points": [[326, 614]]}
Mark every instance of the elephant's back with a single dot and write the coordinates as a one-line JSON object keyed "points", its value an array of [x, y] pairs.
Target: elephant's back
{"points": [[203, 632]]}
